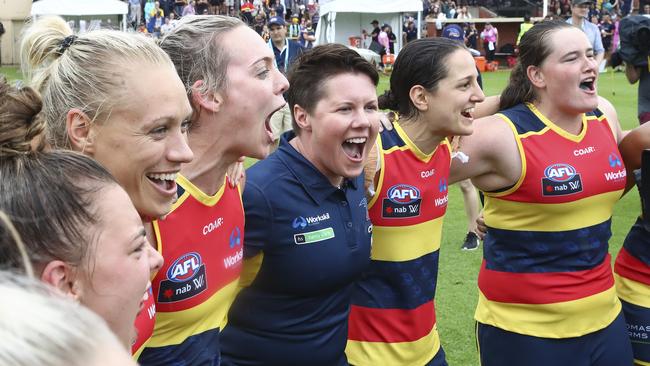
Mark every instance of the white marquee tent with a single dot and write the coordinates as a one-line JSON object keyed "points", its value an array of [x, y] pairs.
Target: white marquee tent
{"points": [[342, 19], [81, 8]]}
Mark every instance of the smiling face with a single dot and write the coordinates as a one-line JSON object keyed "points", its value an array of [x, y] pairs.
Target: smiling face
{"points": [[451, 104], [278, 33], [342, 128], [253, 93], [113, 281], [567, 78], [144, 141]]}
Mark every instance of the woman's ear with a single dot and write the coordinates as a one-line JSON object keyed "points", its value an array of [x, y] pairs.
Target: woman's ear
{"points": [[62, 276], [80, 132], [209, 100], [536, 76], [301, 117], [419, 97]]}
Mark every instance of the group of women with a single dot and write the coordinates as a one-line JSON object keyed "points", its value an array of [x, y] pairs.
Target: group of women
{"points": [[126, 160]]}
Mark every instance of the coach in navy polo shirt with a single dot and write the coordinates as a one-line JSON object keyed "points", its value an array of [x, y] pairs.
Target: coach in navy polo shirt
{"points": [[307, 235]]}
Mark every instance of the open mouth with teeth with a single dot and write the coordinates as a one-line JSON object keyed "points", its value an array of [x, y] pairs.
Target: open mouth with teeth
{"points": [[164, 181], [467, 113], [588, 84], [354, 147]]}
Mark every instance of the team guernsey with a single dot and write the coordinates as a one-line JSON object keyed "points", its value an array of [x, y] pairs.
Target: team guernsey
{"points": [[632, 273], [202, 243], [546, 270], [392, 319], [144, 324]]}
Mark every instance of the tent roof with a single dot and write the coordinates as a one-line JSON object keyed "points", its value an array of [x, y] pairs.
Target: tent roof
{"points": [[371, 6], [79, 7]]}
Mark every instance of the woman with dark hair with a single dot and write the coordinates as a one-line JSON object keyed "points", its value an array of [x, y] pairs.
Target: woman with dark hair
{"points": [[307, 235], [551, 172], [80, 231], [392, 321]]}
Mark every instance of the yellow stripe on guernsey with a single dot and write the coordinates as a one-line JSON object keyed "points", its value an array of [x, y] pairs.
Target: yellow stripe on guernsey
{"points": [[420, 239], [633, 292], [514, 215], [549, 320], [401, 353]]}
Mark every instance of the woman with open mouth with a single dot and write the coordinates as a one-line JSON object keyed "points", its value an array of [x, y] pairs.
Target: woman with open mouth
{"points": [[435, 89], [63, 206], [233, 88], [308, 233], [551, 172], [115, 97]]}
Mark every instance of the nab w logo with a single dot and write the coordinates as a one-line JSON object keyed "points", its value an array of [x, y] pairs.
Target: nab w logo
{"points": [[403, 194], [442, 186], [299, 223], [560, 172], [614, 161], [184, 268], [235, 237]]}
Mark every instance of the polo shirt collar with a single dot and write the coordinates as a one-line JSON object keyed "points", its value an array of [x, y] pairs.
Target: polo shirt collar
{"points": [[317, 186]]}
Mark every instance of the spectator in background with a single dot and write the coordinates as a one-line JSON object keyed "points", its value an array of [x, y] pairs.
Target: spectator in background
{"points": [[167, 27], [463, 13], [155, 23], [606, 33], [391, 39], [157, 10], [375, 30], [259, 23], [293, 30], [135, 13], [286, 51], [148, 11], [472, 36], [490, 37], [524, 27], [307, 36], [202, 7], [189, 9], [179, 5], [579, 11], [246, 11], [646, 10], [410, 33]]}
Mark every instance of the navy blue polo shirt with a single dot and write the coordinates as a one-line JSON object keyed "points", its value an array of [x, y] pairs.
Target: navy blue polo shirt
{"points": [[314, 242]]}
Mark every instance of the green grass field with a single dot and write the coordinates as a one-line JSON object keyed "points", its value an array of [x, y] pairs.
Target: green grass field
{"points": [[457, 292]]}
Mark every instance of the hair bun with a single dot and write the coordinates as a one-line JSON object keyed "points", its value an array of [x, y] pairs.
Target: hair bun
{"points": [[20, 121], [388, 101]]}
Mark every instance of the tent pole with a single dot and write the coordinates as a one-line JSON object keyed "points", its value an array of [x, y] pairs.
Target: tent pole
{"points": [[420, 24]]}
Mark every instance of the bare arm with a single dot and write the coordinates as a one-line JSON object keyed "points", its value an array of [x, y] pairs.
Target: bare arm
{"points": [[631, 148], [487, 107], [494, 161], [612, 117]]}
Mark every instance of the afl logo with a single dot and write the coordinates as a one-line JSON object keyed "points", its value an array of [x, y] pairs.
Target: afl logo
{"points": [[560, 172], [403, 194], [184, 268]]}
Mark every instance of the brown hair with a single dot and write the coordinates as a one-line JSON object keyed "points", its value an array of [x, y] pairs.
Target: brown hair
{"points": [[308, 75], [534, 48], [48, 195]]}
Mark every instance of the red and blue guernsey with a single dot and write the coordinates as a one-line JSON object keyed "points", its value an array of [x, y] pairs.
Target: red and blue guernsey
{"points": [[144, 323], [201, 241], [393, 320], [546, 270]]}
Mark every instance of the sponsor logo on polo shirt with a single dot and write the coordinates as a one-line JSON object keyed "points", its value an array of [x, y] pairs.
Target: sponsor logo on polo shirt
{"points": [[301, 222], [314, 236], [185, 279], [402, 201], [615, 163], [561, 179]]}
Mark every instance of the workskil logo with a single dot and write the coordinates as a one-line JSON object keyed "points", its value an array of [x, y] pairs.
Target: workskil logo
{"points": [[185, 279], [561, 179], [235, 237], [402, 200], [301, 222]]}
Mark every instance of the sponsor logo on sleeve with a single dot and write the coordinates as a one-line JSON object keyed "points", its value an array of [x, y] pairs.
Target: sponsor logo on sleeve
{"points": [[402, 201], [560, 180], [185, 279]]}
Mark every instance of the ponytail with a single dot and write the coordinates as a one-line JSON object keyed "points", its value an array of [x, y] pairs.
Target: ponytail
{"points": [[519, 89]]}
